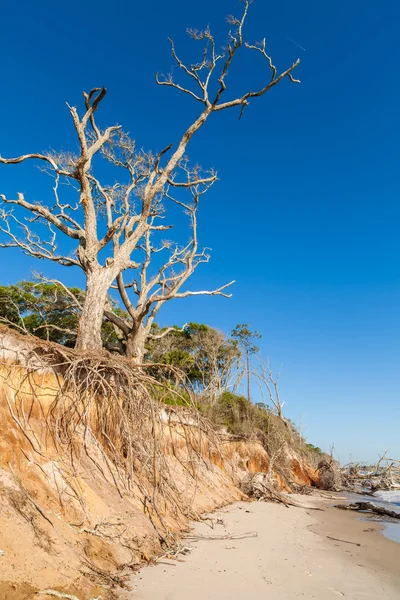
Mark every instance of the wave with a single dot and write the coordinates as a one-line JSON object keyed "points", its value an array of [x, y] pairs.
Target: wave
{"points": [[392, 496]]}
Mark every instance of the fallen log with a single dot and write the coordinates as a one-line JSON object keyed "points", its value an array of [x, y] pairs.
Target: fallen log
{"points": [[371, 508]]}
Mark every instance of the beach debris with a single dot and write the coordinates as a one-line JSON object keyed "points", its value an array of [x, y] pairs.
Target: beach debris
{"points": [[57, 594], [233, 536], [329, 477], [337, 592], [369, 507], [368, 479], [173, 553], [260, 486], [344, 541]]}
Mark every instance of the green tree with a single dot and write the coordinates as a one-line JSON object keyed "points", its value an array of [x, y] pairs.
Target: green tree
{"points": [[50, 311], [246, 338], [203, 353]]}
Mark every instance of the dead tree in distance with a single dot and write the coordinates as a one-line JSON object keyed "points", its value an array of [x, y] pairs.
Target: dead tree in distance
{"points": [[266, 379]]}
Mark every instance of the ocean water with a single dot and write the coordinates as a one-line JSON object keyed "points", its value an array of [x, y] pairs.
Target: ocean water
{"points": [[390, 500]]}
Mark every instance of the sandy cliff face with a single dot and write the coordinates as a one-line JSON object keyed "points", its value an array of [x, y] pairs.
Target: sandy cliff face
{"points": [[72, 517]]}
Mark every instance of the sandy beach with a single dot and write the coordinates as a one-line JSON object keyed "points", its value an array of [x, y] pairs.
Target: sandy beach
{"points": [[292, 556]]}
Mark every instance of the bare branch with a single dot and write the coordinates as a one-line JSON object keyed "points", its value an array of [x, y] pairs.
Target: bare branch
{"points": [[166, 332], [118, 321], [7, 321], [91, 106], [243, 101], [10, 323], [261, 47], [124, 296], [210, 60], [48, 326], [169, 82], [35, 156], [265, 377], [193, 183], [235, 42], [216, 292], [33, 245], [67, 290], [45, 213]]}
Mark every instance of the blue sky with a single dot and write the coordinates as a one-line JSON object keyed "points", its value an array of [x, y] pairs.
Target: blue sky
{"points": [[305, 215]]}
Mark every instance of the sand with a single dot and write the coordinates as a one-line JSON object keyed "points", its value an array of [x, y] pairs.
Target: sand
{"points": [[291, 557]]}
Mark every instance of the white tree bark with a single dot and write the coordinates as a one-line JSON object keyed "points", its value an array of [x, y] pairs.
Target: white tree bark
{"points": [[89, 329]]}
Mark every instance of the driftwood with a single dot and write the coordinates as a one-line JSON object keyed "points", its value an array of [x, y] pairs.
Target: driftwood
{"points": [[367, 479], [371, 508], [229, 536], [261, 487]]}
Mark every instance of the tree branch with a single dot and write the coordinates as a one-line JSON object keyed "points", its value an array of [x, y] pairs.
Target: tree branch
{"points": [[118, 321], [217, 292], [33, 246], [35, 156], [45, 213], [209, 61], [67, 290], [166, 332]]}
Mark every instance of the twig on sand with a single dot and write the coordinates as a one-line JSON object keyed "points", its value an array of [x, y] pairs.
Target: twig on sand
{"points": [[233, 536], [344, 541]]}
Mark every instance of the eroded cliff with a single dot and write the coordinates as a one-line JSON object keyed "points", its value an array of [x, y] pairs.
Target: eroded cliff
{"points": [[97, 478]]}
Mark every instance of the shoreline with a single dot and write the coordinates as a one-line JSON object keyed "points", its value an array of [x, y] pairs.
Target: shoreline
{"points": [[390, 528], [375, 550], [292, 556]]}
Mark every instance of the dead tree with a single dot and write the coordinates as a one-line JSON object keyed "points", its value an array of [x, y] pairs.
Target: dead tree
{"points": [[144, 296], [108, 223], [216, 359], [266, 380]]}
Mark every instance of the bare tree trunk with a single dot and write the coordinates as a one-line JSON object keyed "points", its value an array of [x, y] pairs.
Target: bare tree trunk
{"points": [[135, 344], [89, 329]]}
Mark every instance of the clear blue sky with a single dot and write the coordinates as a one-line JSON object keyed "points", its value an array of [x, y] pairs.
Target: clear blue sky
{"points": [[305, 216]]}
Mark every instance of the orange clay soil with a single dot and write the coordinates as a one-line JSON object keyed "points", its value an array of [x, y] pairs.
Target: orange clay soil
{"points": [[70, 519]]}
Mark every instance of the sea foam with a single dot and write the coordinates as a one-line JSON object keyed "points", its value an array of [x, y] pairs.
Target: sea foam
{"points": [[392, 496]]}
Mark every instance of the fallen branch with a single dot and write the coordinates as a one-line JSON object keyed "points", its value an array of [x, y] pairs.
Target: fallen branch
{"points": [[261, 487], [369, 507], [233, 536], [344, 541]]}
